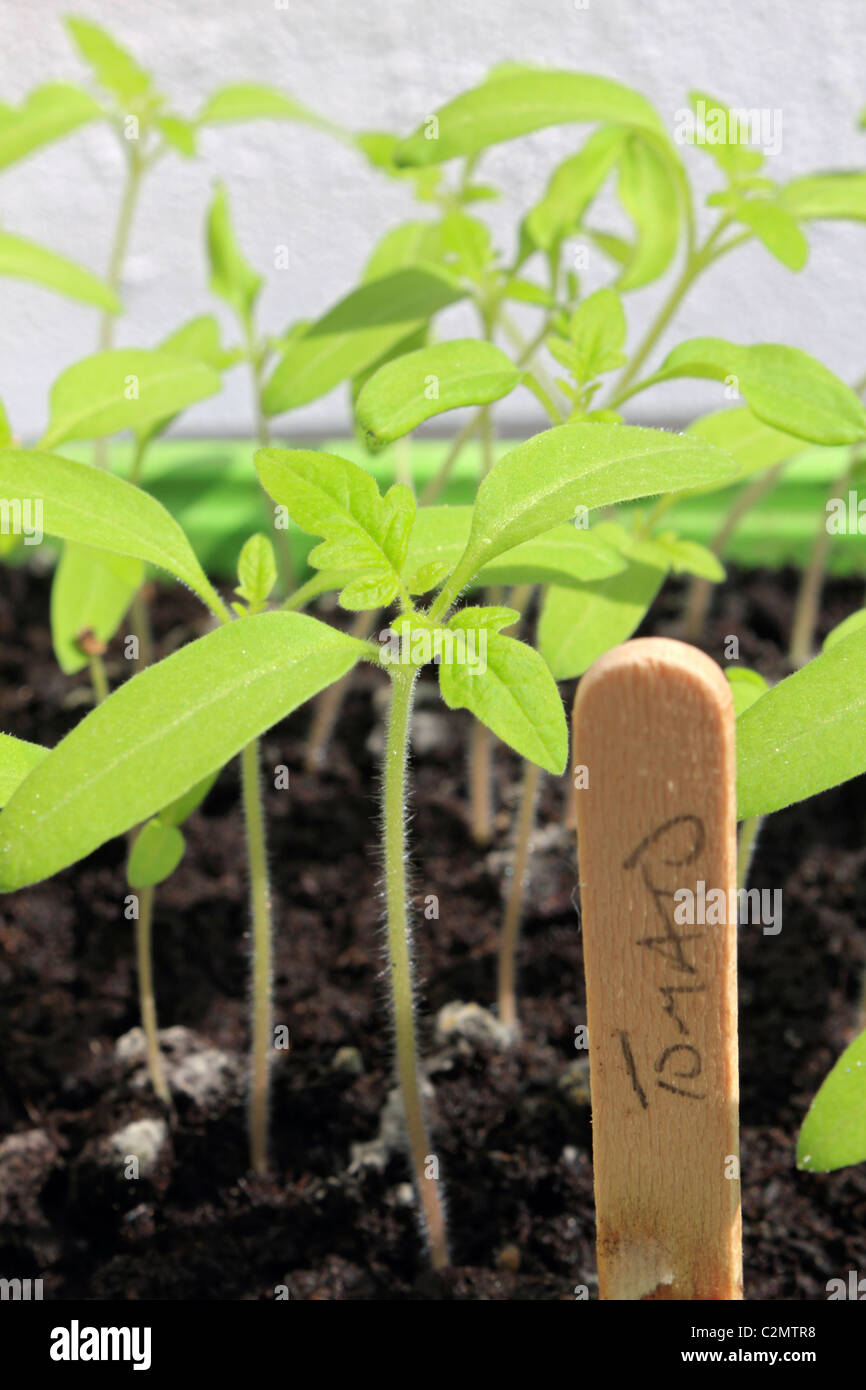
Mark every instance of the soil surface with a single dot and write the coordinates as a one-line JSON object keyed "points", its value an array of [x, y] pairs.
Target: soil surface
{"points": [[335, 1221]]}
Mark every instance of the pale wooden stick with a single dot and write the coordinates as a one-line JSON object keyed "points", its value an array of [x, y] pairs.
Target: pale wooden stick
{"points": [[654, 726]]}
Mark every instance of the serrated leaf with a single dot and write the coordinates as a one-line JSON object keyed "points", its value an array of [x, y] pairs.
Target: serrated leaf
{"points": [[25, 260], [541, 483], [113, 67], [231, 276], [648, 193], [515, 697], [91, 591], [48, 113], [785, 387], [156, 852], [578, 625], [364, 534], [356, 332], [747, 686], [806, 734], [257, 570], [776, 229], [81, 500], [123, 389], [519, 103], [834, 1130], [420, 385], [17, 759], [161, 733]]}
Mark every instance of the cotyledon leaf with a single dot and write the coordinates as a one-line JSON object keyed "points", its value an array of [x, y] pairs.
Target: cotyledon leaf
{"points": [[17, 759], [163, 731]]}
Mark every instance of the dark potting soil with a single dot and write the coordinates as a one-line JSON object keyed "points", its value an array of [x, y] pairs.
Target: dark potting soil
{"points": [[335, 1221]]}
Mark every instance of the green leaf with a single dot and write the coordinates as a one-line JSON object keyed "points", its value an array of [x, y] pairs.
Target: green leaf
{"points": [[179, 134], [648, 194], [419, 385], [231, 277], [572, 187], [410, 244], [182, 809], [597, 333], [249, 101], [17, 759], [578, 625], [114, 69], [198, 340], [747, 686], [717, 132], [257, 571], [819, 196], [161, 733], [834, 1130], [490, 618], [754, 445], [855, 622], [541, 483], [567, 554], [48, 113], [355, 333], [123, 389], [24, 260], [806, 734], [784, 387], [91, 591], [517, 104], [364, 534], [515, 696], [777, 229], [155, 854], [81, 500], [688, 557]]}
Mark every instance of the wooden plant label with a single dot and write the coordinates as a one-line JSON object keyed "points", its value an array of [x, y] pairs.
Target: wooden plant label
{"points": [[656, 829]]}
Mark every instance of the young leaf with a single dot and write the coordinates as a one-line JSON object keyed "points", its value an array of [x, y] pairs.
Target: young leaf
{"points": [[123, 389], [648, 193], [541, 483], [179, 134], [161, 733], [717, 131], [578, 625], [512, 693], [783, 386], [231, 277], [777, 229], [566, 555], [24, 260], [819, 196], [257, 571], [517, 104], [834, 1130], [687, 557], [91, 591], [806, 734], [597, 333], [181, 809], [114, 69], [747, 686], [249, 101], [356, 332], [81, 500], [364, 534], [572, 187], [17, 759], [417, 386], [48, 113], [754, 445], [156, 852]]}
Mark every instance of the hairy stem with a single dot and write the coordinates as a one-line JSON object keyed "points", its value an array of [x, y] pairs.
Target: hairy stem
{"points": [[260, 908], [507, 967], [400, 965], [146, 999]]}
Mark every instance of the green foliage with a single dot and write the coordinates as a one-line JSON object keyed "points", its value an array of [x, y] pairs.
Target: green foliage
{"points": [[230, 275], [115, 70], [834, 1131], [755, 445], [156, 852], [806, 734], [250, 101], [92, 591], [17, 758], [747, 686], [257, 572], [162, 732], [24, 260], [124, 389], [855, 622], [48, 113], [418, 385]]}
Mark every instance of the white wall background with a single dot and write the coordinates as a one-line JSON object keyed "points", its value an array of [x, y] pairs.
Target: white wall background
{"points": [[386, 64]]}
